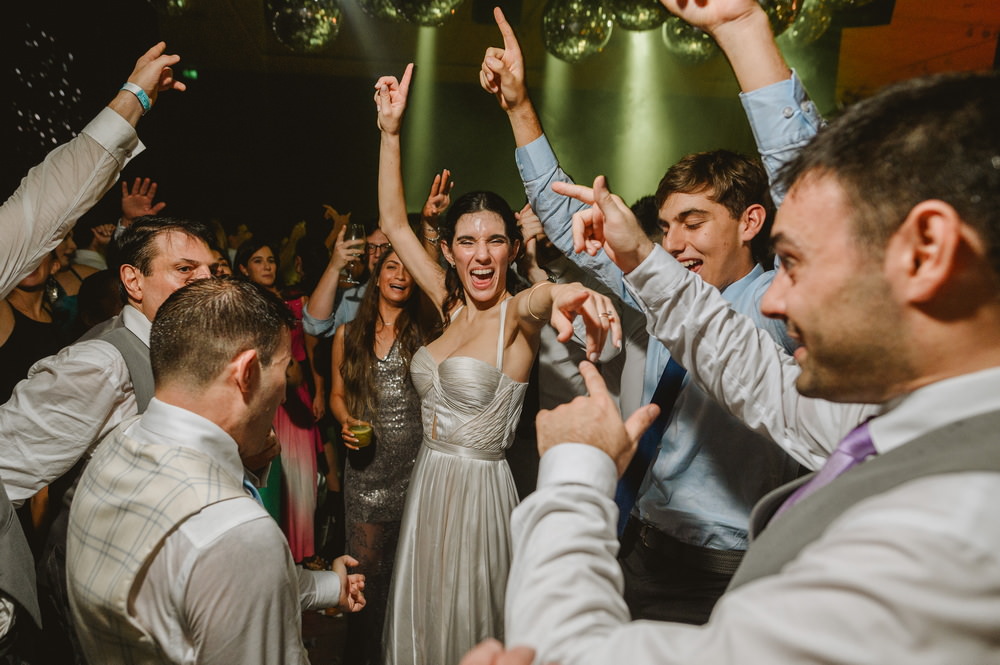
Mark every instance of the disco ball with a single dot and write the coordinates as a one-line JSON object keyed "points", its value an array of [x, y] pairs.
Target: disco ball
{"points": [[387, 10], [426, 12], [637, 14], [687, 42], [781, 13], [305, 26], [575, 29], [813, 20]]}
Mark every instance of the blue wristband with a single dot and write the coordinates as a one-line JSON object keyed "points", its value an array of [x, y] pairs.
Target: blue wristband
{"points": [[140, 95]]}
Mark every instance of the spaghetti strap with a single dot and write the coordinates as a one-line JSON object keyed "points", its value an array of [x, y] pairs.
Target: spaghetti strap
{"points": [[503, 320]]}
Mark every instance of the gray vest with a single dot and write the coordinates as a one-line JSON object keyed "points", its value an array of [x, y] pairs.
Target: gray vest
{"points": [[965, 446], [17, 570], [136, 355]]}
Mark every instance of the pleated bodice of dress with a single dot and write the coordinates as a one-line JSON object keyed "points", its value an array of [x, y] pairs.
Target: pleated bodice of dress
{"points": [[467, 402]]}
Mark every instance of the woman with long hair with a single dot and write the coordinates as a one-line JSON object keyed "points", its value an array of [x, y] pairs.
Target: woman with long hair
{"points": [[295, 420], [371, 386], [454, 548]]}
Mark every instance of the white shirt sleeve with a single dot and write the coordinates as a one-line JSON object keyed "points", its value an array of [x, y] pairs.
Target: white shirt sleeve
{"points": [[737, 363], [68, 402], [55, 193], [899, 578]]}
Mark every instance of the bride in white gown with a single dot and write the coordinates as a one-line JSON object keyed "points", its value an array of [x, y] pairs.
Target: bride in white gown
{"points": [[453, 556]]}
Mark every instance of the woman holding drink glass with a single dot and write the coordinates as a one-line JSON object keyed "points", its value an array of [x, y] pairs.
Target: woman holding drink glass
{"points": [[372, 396], [454, 547]]}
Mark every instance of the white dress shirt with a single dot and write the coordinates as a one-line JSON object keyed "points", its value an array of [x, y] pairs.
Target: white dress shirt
{"points": [[69, 402], [908, 576], [55, 193], [223, 587]]}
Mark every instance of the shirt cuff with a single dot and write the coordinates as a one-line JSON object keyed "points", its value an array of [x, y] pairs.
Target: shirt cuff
{"points": [[535, 159], [781, 114], [665, 273], [578, 464], [115, 134], [325, 586], [316, 327]]}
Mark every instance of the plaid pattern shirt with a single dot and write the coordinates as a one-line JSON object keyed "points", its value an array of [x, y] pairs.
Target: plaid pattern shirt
{"points": [[130, 498]]}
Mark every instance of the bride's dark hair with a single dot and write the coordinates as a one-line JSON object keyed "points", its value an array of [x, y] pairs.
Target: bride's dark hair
{"points": [[476, 202]]}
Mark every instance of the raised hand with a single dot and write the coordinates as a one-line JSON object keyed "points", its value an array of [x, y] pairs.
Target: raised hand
{"points": [[390, 100], [138, 201], [608, 223], [103, 234], [345, 251], [709, 15], [340, 223], [594, 420], [502, 71], [529, 223], [439, 197], [153, 72]]}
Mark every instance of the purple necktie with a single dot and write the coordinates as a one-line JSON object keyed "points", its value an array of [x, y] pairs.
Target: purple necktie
{"points": [[855, 448]]}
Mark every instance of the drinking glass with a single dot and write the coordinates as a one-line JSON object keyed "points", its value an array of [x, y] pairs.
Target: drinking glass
{"points": [[351, 274]]}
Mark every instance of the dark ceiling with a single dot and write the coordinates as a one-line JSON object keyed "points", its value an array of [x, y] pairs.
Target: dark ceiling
{"points": [[269, 135]]}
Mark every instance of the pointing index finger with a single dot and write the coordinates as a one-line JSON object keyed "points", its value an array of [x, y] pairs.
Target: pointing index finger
{"points": [[404, 85], [509, 38]]}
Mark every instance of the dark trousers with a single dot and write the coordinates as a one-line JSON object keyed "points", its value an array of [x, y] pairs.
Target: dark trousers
{"points": [[666, 580]]}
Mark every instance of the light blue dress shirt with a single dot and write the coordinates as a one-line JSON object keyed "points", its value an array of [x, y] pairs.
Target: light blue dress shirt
{"points": [[710, 469], [344, 312]]}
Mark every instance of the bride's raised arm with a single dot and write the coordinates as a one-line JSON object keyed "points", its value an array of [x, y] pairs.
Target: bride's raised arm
{"points": [[390, 104]]}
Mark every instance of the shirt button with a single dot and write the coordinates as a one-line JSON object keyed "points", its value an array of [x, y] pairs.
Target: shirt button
{"points": [[788, 112], [807, 107]]}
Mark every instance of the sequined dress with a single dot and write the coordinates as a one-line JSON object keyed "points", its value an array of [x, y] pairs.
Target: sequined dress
{"points": [[454, 545], [375, 483]]}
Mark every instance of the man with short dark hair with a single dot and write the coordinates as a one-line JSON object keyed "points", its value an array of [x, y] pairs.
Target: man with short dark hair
{"points": [[890, 280], [170, 556], [685, 501]]}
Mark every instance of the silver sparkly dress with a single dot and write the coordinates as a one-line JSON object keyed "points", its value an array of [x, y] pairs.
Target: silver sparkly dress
{"points": [[454, 545], [375, 483]]}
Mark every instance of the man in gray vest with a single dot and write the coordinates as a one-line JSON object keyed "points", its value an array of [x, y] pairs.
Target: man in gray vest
{"points": [[73, 399], [171, 557], [890, 280]]}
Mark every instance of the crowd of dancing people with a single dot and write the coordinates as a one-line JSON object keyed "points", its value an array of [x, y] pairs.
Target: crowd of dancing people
{"points": [[183, 402]]}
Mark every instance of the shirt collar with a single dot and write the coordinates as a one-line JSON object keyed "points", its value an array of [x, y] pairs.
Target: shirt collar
{"points": [[934, 406], [165, 424], [733, 292], [137, 322]]}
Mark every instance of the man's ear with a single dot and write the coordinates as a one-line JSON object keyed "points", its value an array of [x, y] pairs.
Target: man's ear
{"points": [[246, 371], [132, 280], [927, 249], [752, 222]]}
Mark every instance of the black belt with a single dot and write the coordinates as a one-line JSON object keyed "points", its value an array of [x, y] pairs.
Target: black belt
{"points": [[723, 562]]}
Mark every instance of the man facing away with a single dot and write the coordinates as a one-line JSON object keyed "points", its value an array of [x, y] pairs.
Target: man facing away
{"points": [[171, 557], [890, 279]]}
